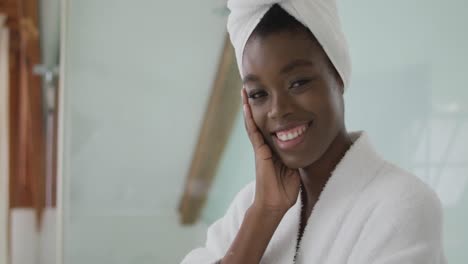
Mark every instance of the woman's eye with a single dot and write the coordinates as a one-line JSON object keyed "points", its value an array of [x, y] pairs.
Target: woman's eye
{"points": [[298, 83], [257, 95]]}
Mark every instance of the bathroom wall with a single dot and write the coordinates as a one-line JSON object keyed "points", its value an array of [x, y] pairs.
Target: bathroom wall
{"points": [[137, 78]]}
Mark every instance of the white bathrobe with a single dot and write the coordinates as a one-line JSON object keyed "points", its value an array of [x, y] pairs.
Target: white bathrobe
{"points": [[370, 211]]}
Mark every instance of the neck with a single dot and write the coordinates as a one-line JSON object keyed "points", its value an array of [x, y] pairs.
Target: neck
{"points": [[315, 176]]}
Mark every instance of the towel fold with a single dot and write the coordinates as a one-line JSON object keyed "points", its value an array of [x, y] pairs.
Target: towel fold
{"points": [[320, 16]]}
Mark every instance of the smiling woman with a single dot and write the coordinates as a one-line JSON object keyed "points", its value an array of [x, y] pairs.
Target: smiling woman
{"points": [[321, 194], [291, 83]]}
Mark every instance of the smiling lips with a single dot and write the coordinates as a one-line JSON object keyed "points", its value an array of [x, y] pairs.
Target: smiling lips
{"points": [[291, 137], [291, 134]]}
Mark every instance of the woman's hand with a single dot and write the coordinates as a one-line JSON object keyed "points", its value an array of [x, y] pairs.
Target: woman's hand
{"points": [[277, 187]]}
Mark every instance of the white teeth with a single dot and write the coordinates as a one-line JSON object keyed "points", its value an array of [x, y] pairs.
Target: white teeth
{"points": [[291, 135]]}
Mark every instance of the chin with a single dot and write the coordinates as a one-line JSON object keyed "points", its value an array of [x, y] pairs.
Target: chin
{"points": [[300, 160], [295, 162]]}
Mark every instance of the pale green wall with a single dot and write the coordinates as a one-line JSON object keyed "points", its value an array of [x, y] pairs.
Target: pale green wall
{"points": [[137, 78], [236, 169], [134, 100], [408, 91]]}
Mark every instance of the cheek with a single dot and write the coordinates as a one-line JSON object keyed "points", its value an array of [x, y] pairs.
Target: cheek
{"points": [[332, 111], [259, 117], [324, 103], [314, 100], [336, 103]]}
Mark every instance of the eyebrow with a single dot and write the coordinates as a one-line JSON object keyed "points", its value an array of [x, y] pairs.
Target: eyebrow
{"points": [[288, 68]]}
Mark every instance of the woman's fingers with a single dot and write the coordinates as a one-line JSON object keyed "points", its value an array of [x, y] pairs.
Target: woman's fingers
{"points": [[244, 96], [254, 134], [277, 186]]}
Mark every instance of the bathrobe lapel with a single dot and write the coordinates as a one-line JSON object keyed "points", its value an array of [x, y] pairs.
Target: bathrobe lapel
{"points": [[357, 168]]}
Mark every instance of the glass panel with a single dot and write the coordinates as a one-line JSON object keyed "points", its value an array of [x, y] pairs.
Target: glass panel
{"points": [[138, 75]]}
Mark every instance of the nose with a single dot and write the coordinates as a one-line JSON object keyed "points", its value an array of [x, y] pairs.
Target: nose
{"points": [[280, 107]]}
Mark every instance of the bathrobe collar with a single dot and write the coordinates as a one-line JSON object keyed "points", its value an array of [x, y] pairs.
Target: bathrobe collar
{"points": [[356, 169]]}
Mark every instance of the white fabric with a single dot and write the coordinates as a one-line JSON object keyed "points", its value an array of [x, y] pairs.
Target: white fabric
{"points": [[370, 211], [24, 236], [320, 16]]}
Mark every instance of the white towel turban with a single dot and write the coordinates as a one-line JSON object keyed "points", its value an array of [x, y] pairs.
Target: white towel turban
{"points": [[320, 16]]}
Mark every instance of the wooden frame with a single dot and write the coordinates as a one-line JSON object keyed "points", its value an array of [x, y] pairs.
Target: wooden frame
{"points": [[218, 122], [27, 139]]}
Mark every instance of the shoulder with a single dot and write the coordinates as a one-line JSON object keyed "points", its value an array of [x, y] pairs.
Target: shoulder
{"points": [[399, 185], [239, 205], [222, 232], [246, 194], [405, 197], [404, 224]]}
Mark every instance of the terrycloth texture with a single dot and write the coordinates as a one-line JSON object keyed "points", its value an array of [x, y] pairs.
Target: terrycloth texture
{"points": [[320, 16], [370, 211]]}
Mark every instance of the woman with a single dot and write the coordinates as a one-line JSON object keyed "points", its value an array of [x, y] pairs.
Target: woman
{"points": [[321, 195]]}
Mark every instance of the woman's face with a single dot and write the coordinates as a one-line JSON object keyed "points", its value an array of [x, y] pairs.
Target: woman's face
{"points": [[295, 95]]}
